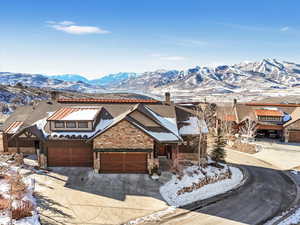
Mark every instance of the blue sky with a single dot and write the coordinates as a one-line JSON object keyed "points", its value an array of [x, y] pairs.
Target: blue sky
{"points": [[94, 37]]}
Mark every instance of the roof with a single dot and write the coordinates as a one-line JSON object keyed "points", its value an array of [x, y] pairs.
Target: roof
{"points": [[243, 111], [166, 132], [295, 117], [167, 117], [231, 117], [13, 127], [271, 104], [188, 123], [226, 113], [269, 127], [75, 113], [268, 112], [95, 100]]}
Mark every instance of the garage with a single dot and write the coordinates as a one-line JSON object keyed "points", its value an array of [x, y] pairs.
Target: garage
{"points": [[70, 154], [294, 136], [124, 162]]}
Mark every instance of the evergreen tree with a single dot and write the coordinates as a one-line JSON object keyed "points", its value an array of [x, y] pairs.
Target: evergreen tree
{"points": [[218, 152]]}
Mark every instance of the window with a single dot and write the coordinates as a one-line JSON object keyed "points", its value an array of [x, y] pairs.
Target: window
{"points": [[59, 124], [83, 125], [71, 124]]}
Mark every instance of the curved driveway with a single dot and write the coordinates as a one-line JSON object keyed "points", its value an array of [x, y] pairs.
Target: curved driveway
{"points": [[267, 192]]}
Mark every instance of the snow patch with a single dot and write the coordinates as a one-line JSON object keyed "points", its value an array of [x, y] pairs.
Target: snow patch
{"points": [[193, 127], [169, 191]]}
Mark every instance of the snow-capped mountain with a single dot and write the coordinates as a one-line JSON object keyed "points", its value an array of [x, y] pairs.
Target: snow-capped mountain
{"points": [[70, 78], [110, 79], [262, 76], [268, 73], [42, 81]]}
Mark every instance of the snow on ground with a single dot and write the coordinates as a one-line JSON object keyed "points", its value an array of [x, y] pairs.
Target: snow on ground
{"points": [[292, 219], [192, 175], [26, 196]]}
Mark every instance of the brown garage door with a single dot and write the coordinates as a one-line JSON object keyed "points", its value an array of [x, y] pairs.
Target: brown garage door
{"points": [[69, 154], [123, 162], [294, 136]]}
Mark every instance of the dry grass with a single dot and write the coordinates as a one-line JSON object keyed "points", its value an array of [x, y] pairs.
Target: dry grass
{"points": [[244, 147], [4, 203], [23, 211], [17, 185]]}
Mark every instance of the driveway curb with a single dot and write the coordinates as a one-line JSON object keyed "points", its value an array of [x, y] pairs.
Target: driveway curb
{"points": [[202, 203]]}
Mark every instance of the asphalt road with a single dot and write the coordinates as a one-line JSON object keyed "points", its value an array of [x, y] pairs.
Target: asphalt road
{"points": [[266, 193]]}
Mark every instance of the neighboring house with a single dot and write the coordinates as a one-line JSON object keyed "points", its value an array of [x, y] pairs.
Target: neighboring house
{"points": [[110, 135], [292, 127], [278, 121]]}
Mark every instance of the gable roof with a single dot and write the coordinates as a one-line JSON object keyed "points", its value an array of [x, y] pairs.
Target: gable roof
{"points": [[295, 117], [166, 131]]}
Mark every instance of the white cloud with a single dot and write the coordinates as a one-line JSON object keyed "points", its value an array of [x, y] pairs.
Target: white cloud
{"points": [[172, 58], [71, 28], [191, 43], [284, 29], [156, 55], [166, 57]]}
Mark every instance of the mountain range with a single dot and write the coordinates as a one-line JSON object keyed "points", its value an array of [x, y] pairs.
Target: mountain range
{"points": [[267, 74]]}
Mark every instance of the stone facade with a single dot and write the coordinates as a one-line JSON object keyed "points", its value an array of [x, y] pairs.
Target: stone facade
{"points": [[123, 135]]}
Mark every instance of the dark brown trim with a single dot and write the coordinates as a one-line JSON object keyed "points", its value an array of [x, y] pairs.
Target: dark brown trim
{"points": [[123, 150]]}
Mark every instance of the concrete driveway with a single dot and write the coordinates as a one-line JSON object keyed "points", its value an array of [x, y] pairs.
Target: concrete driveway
{"points": [[284, 156], [79, 196]]}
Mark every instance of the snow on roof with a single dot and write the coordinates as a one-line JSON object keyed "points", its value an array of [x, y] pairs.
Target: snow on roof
{"points": [[76, 113], [83, 134], [86, 114], [160, 136], [42, 123], [192, 127], [167, 122]]}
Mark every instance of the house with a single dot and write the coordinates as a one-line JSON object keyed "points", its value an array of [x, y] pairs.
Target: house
{"points": [[272, 120], [110, 135], [292, 127]]}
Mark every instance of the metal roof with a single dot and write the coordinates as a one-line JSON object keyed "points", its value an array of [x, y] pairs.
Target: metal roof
{"points": [[92, 100], [66, 112], [13, 127]]}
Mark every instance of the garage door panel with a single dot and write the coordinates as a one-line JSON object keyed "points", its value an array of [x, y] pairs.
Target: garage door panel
{"points": [[70, 156], [294, 136], [123, 162]]}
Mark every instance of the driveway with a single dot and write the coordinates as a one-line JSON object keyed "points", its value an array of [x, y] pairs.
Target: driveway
{"points": [[79, 196], [266, 193], [284, 156]]}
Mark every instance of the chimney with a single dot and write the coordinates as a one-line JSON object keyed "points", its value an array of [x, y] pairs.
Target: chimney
{"points": [[167, 98], [234, 102], [54, 95]]}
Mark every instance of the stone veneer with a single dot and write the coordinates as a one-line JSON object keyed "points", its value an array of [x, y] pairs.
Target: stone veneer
{"points": [[123, 135]]}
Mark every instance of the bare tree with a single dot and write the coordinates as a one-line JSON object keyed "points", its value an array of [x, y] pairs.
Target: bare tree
{"points": [[206, 115], [248, 128]]}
